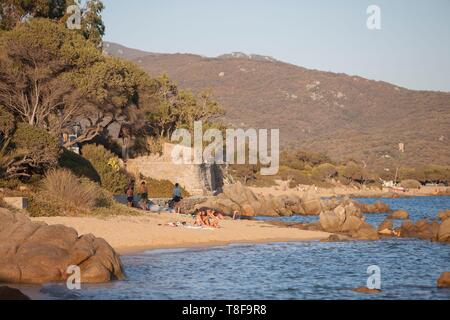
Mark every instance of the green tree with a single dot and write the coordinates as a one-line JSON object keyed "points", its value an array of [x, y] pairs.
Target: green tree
{"points": [[52, 78], [13, 12], [31, 151], [179, 109]]}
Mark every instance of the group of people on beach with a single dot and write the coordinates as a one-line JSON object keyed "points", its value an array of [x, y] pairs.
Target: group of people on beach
{"points": [[203, 217], [207, 217], [143, 196]]}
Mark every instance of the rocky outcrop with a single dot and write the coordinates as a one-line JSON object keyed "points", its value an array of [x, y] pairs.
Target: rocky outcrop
{"points": [[237, 197], [7, 293], [444, 231], [422, 229], [366, 290], [386, 227], [377, 207], [348, 220], [399, 215], [444, 215], [312, 207], [444, 280], [37, 253]]}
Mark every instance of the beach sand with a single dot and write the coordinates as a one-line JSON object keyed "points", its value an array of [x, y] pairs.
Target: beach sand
{"points": [[129, 234]]}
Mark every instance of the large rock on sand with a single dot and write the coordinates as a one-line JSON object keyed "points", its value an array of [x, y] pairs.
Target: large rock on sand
{"points": [[237, 197], [37, 253], [444, 280]]}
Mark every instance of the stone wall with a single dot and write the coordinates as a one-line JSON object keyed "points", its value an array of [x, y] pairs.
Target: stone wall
{"points": [[198, 180]]}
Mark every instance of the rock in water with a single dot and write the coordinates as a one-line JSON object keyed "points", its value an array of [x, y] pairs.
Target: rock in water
{"points": [[444, 215], [378, 207], [347, 220], [399, 215], [444, 231], [444, 280], [37, 253], [386, 225], [7, 293], [312, 207], [367, 290]]}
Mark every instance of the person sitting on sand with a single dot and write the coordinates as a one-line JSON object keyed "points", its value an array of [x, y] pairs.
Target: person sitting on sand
{"points": [[200, 218], [143, 193], [213, 221], [236, 214], [219, 215]]}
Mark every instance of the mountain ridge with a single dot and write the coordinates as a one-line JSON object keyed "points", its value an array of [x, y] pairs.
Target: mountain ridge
{"points": [[347, 117]]}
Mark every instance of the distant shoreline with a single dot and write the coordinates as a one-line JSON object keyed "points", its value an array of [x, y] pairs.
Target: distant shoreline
{"points": [[385, 193]]}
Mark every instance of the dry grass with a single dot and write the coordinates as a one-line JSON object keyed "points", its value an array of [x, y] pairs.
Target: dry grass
{"points": [[66, 188]]}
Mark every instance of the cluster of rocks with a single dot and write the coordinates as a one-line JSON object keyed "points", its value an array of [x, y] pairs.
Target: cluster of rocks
{"points": [[377, 207], [344, 218], [239, 198], [422, 229], [347, 219], [36, 253]]}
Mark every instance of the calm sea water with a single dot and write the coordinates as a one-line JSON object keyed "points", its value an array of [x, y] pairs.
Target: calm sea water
{"points": [[310, 270]]}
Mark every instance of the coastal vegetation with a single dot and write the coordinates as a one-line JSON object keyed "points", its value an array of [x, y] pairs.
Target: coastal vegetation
{"points": [[56, 82]]}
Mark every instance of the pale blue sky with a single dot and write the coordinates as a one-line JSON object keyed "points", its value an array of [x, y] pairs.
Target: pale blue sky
{"points": [[411, 50]]}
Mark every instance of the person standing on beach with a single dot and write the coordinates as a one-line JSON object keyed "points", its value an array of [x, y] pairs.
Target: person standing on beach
{"points": [[176, 197], [130, 194], [143, 193]]}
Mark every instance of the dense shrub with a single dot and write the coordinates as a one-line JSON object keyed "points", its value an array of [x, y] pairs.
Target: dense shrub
{"points": [[426, 174], [161, 188], [299, 159], [324, 172], [64, 186], [411, 184], [78, 165], [40, 206], [112, 177], [355, 173], [295, 177], [436, 174], [32, 151], [64, 194]]}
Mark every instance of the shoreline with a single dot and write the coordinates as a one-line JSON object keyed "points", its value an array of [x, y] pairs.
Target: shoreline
{"points": [[385, 193], [136, 234], [210, 245]]}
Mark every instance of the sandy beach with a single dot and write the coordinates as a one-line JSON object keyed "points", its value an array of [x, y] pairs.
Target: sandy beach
{"points": [[127, 234]]}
